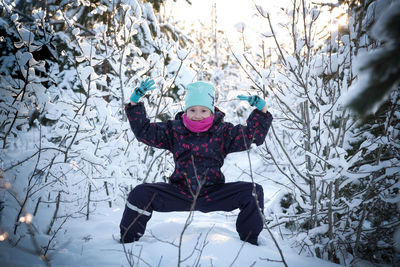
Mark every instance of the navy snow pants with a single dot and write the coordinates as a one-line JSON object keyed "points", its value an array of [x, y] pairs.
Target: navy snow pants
{"points": [[164, 197]]}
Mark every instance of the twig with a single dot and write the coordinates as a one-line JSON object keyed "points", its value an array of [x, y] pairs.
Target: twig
{"points": [[46, 249], [37, 206], [88, 202], [237, 254], [256, 199], [55, 213], [105, 185], [126, 252], [189, 219]]}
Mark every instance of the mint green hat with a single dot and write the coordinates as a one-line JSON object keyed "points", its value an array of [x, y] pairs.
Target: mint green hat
{"points": [[200, 94]]}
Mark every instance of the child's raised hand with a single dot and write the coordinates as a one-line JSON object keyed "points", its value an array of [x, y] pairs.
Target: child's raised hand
{"points": [[254, 101], [145, 86]]}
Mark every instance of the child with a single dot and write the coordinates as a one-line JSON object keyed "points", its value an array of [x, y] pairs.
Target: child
{"points": [[199, 140]]}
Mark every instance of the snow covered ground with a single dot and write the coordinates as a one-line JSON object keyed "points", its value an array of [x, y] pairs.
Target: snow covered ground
{"points": [[210, 240], [90, 243]]}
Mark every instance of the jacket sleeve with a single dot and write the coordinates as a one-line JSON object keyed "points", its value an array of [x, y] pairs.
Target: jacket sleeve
{"points": [[240, 137], [152, 134]]}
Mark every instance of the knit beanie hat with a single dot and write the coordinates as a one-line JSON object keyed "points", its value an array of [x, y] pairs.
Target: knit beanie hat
{"points": [[200, 94]]}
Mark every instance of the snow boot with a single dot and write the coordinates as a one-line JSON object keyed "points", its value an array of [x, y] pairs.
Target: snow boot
{"points": [[252, 241]]}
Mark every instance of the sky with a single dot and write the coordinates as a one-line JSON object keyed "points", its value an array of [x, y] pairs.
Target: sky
{"points": [[229, 12]]}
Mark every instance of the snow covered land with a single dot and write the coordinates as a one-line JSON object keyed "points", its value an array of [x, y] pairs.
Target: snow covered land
{"points": [[68, 157], [210, 240]]}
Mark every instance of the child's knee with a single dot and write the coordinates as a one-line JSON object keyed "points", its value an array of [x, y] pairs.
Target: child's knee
{"points": [[139, 192], [252, 193], [256, 190]]}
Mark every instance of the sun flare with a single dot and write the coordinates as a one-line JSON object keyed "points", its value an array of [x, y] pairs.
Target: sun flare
{"points": [[337, 18]]}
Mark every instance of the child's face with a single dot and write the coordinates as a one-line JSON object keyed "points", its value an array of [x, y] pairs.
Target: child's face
{"points": [[198, 113]]}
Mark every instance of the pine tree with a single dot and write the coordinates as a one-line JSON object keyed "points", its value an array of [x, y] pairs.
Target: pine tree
{"points": [[379, 69]]}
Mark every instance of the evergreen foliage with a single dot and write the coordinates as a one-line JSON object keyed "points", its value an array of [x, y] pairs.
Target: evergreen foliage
{"points": [[380, 68]]}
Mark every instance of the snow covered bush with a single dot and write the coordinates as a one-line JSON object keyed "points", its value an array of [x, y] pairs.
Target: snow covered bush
{"points": [[334, 192], [67, 70]]}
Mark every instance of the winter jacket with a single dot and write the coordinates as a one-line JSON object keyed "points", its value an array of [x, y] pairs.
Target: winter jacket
{"points": [[200, 154]]}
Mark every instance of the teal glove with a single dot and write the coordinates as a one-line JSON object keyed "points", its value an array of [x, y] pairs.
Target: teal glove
{"points": [[254, 101], [145, 86]]}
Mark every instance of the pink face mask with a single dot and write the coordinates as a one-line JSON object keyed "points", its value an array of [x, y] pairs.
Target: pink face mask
{"points": [[198, 126]]}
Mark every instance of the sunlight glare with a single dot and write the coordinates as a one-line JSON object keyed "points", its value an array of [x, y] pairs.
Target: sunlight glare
{"points": [[5, 184], [27, 218], [74, 165], [343, 19], [219, 238], [3, 236], [229, 13], [172, 219], [338, 18]]}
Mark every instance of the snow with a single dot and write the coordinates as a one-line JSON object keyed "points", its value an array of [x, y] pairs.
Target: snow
{"points": [[27, 36], [90, 160], [211, 239], [240, 27], [84, 72], [91, 242], [182, 53], [385, 14]]}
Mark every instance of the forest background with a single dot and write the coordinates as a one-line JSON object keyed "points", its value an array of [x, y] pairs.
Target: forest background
{"points": [[67, 68]]}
